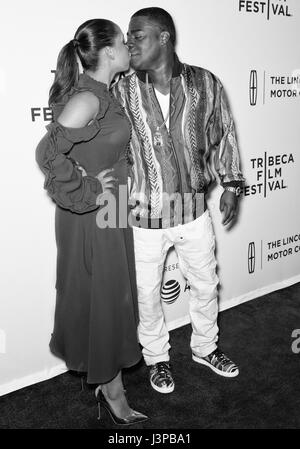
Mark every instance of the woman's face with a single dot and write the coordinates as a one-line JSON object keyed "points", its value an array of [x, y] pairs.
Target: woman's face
{"points": [[121, 53]]}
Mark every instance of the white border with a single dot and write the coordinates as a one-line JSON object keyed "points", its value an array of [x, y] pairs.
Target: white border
{"points": [[35, 378]]}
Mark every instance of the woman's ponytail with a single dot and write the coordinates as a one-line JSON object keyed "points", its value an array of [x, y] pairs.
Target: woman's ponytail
{"points": [[66, 73]]}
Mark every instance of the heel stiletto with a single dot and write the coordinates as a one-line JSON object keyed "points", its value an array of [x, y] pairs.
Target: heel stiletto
{"points": [[134, 417]]}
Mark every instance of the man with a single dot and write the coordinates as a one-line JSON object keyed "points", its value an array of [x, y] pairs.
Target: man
{"points": [[179, 116]]}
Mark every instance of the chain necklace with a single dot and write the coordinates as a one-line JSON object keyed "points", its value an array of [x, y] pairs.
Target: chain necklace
{"points": [[157, 136]]}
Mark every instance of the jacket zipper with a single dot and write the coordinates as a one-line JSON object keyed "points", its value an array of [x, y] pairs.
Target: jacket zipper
{"points": [[172, 145]]}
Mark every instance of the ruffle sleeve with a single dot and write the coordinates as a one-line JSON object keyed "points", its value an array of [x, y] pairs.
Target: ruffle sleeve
{"points": [[64, 180]]}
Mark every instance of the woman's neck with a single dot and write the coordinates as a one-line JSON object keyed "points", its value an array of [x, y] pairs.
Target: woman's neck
{"points": [[102, 75]]}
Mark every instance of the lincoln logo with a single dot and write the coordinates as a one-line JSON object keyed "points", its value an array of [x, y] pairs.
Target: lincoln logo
{"points": [[251, 257], [253, 87], [170, 291]]}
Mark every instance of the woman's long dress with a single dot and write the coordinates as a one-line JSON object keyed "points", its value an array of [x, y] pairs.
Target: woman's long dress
{"points": [[96, 317]]}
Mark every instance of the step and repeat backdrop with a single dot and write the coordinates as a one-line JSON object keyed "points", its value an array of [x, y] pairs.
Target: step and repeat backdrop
{"points": [[252, 46]]}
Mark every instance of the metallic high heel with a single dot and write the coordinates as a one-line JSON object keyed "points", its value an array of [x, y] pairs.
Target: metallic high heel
{"points": [[134, 417]]}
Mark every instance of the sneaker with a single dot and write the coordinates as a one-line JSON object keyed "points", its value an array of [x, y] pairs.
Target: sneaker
{"points": [[219, 363], [161, 377]]}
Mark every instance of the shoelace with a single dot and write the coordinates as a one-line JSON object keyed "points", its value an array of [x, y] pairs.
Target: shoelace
{"points": [[162, 369], [221, 357]]}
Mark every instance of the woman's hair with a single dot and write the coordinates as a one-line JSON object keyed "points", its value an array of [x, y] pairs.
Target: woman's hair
{"points": [[90, 37], [162, 18]]}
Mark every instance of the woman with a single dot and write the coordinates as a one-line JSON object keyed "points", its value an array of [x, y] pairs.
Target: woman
{"points": [[83, 157]]}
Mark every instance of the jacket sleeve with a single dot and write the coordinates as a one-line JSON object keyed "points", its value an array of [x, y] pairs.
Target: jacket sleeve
{"points": [[63, 179], [223, 137], [121, 92]]}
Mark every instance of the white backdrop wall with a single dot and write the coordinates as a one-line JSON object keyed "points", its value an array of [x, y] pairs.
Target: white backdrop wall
{"points": [[252, 47]]}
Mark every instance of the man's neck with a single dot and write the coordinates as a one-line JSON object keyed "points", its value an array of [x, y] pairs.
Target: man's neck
{"points": [[161, 76]]}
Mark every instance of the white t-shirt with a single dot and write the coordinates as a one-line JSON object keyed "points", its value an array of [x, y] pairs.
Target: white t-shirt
{"points": [[164, 101]]}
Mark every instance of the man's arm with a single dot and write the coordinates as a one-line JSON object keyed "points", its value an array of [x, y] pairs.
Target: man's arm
{"points": [[226, 158]]}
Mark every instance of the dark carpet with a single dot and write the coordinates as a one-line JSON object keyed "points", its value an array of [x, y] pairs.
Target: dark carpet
{"points": [[257, 335]]}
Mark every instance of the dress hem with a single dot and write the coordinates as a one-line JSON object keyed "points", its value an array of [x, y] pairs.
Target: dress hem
{"points": [[89, 381]]}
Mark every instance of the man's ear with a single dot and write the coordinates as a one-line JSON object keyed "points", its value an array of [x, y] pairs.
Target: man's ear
{"points": [[110, 52], [164, 37]]}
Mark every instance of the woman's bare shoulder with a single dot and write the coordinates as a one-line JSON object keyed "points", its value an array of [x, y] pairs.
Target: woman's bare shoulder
{"points": [[80, 109]]}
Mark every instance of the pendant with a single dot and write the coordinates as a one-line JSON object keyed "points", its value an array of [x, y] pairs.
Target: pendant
{"points": [[157, 139]]}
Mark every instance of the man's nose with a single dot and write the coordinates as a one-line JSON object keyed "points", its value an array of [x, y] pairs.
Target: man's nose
{"points": [[129, 42]]}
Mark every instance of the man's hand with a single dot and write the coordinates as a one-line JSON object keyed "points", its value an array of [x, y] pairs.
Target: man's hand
{"points": [[107, 180], [228, 206]]}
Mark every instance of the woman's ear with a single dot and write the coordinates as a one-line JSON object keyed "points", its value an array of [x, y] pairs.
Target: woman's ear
{"points": [[110, 52], [164, 37]]}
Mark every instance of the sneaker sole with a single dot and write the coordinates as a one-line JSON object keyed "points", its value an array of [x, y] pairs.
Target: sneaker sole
{"points": [[221, 373], [164, 390]]}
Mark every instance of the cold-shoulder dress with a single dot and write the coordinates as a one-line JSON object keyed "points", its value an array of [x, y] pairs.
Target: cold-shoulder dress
{"points": [[96, 315]]}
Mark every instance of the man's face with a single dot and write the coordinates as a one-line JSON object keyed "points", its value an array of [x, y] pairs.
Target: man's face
{"points": [[143, 41]]}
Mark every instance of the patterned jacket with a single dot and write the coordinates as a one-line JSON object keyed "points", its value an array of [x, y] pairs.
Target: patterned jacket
{"points": [[169, 180]]}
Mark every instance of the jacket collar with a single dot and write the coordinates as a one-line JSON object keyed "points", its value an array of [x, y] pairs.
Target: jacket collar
{"points": [[177, 70]]}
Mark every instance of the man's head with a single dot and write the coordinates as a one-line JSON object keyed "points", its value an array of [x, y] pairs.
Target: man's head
{"points": [[151, 35]]}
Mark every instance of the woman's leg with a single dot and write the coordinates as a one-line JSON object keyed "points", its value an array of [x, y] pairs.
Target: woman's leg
{"points": [[115, 396]]}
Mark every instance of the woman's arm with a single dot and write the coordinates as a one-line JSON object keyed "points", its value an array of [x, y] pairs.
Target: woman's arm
{"points": [[64, 181], [80, 110]]}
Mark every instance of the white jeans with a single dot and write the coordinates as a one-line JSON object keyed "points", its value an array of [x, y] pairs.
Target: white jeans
{"points": [[194, 244]]}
